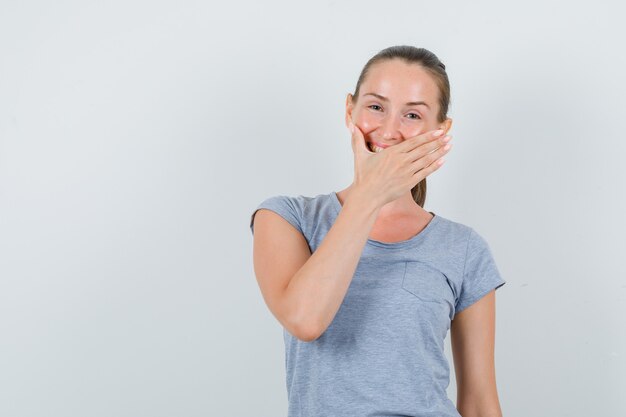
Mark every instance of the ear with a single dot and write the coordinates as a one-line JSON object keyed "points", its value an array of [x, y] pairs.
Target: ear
{"points": [[446, 125], [349, 107]]}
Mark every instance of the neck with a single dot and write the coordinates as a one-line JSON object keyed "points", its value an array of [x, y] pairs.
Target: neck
{"points": [[402, 206]]}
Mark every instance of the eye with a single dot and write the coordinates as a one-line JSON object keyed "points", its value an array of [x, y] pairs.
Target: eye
{"points": [[373, 105], [416, 116]]}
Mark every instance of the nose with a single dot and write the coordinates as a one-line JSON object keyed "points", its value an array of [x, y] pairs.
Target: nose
{"points": [[390, 128]]}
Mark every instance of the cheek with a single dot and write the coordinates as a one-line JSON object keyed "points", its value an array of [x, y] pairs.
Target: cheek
{"points": [[367, 121], [414, 130], [416, 127]]}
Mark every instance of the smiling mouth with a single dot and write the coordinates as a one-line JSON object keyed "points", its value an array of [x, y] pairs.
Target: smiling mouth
{"points": [[374, 148]]}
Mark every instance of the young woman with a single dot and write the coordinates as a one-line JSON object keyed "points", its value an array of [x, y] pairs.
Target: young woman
{"points": [[365, 282]]}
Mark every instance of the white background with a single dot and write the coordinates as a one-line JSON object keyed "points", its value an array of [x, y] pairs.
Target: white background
{"points": [[136, 137]]}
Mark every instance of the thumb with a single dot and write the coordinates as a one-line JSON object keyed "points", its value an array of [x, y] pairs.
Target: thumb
{"points": [[358, 140]]}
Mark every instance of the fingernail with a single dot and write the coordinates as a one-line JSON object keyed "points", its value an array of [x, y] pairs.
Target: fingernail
{"points": [[438, 132]]}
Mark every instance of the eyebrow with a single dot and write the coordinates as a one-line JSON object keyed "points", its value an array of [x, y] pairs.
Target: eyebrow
{"points": [[410, 103]]}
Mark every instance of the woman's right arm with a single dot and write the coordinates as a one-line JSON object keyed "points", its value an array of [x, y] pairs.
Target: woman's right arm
{"points": [[302, 290]]}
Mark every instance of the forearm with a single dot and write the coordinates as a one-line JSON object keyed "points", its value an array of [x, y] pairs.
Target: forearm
{"points": [[319, 287]]}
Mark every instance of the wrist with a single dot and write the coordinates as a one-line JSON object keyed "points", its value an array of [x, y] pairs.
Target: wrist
{"points": [[365, 199]]}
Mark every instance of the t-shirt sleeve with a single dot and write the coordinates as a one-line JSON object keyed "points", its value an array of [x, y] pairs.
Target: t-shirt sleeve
{"points": [[285, 206], [480, 274]]}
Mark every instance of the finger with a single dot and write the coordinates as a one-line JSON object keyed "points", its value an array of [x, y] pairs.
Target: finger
{"points": [[425, 172], [431, 157], [418, 140], [358, 140], [430, 147]]}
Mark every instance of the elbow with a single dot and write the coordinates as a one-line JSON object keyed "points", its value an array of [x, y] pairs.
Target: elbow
{"points": [[301, 325], [306, 331], [488, 406], [301, 321]]}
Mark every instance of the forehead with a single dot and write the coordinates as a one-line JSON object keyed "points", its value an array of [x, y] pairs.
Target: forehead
{"points": [[399, 80]]}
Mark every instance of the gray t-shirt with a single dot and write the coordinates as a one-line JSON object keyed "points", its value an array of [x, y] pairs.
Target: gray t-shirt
{"points": [[383, 353]]}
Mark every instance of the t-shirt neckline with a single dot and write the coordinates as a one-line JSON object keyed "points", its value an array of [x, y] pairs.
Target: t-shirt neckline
{"points": [[403, 243]]}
